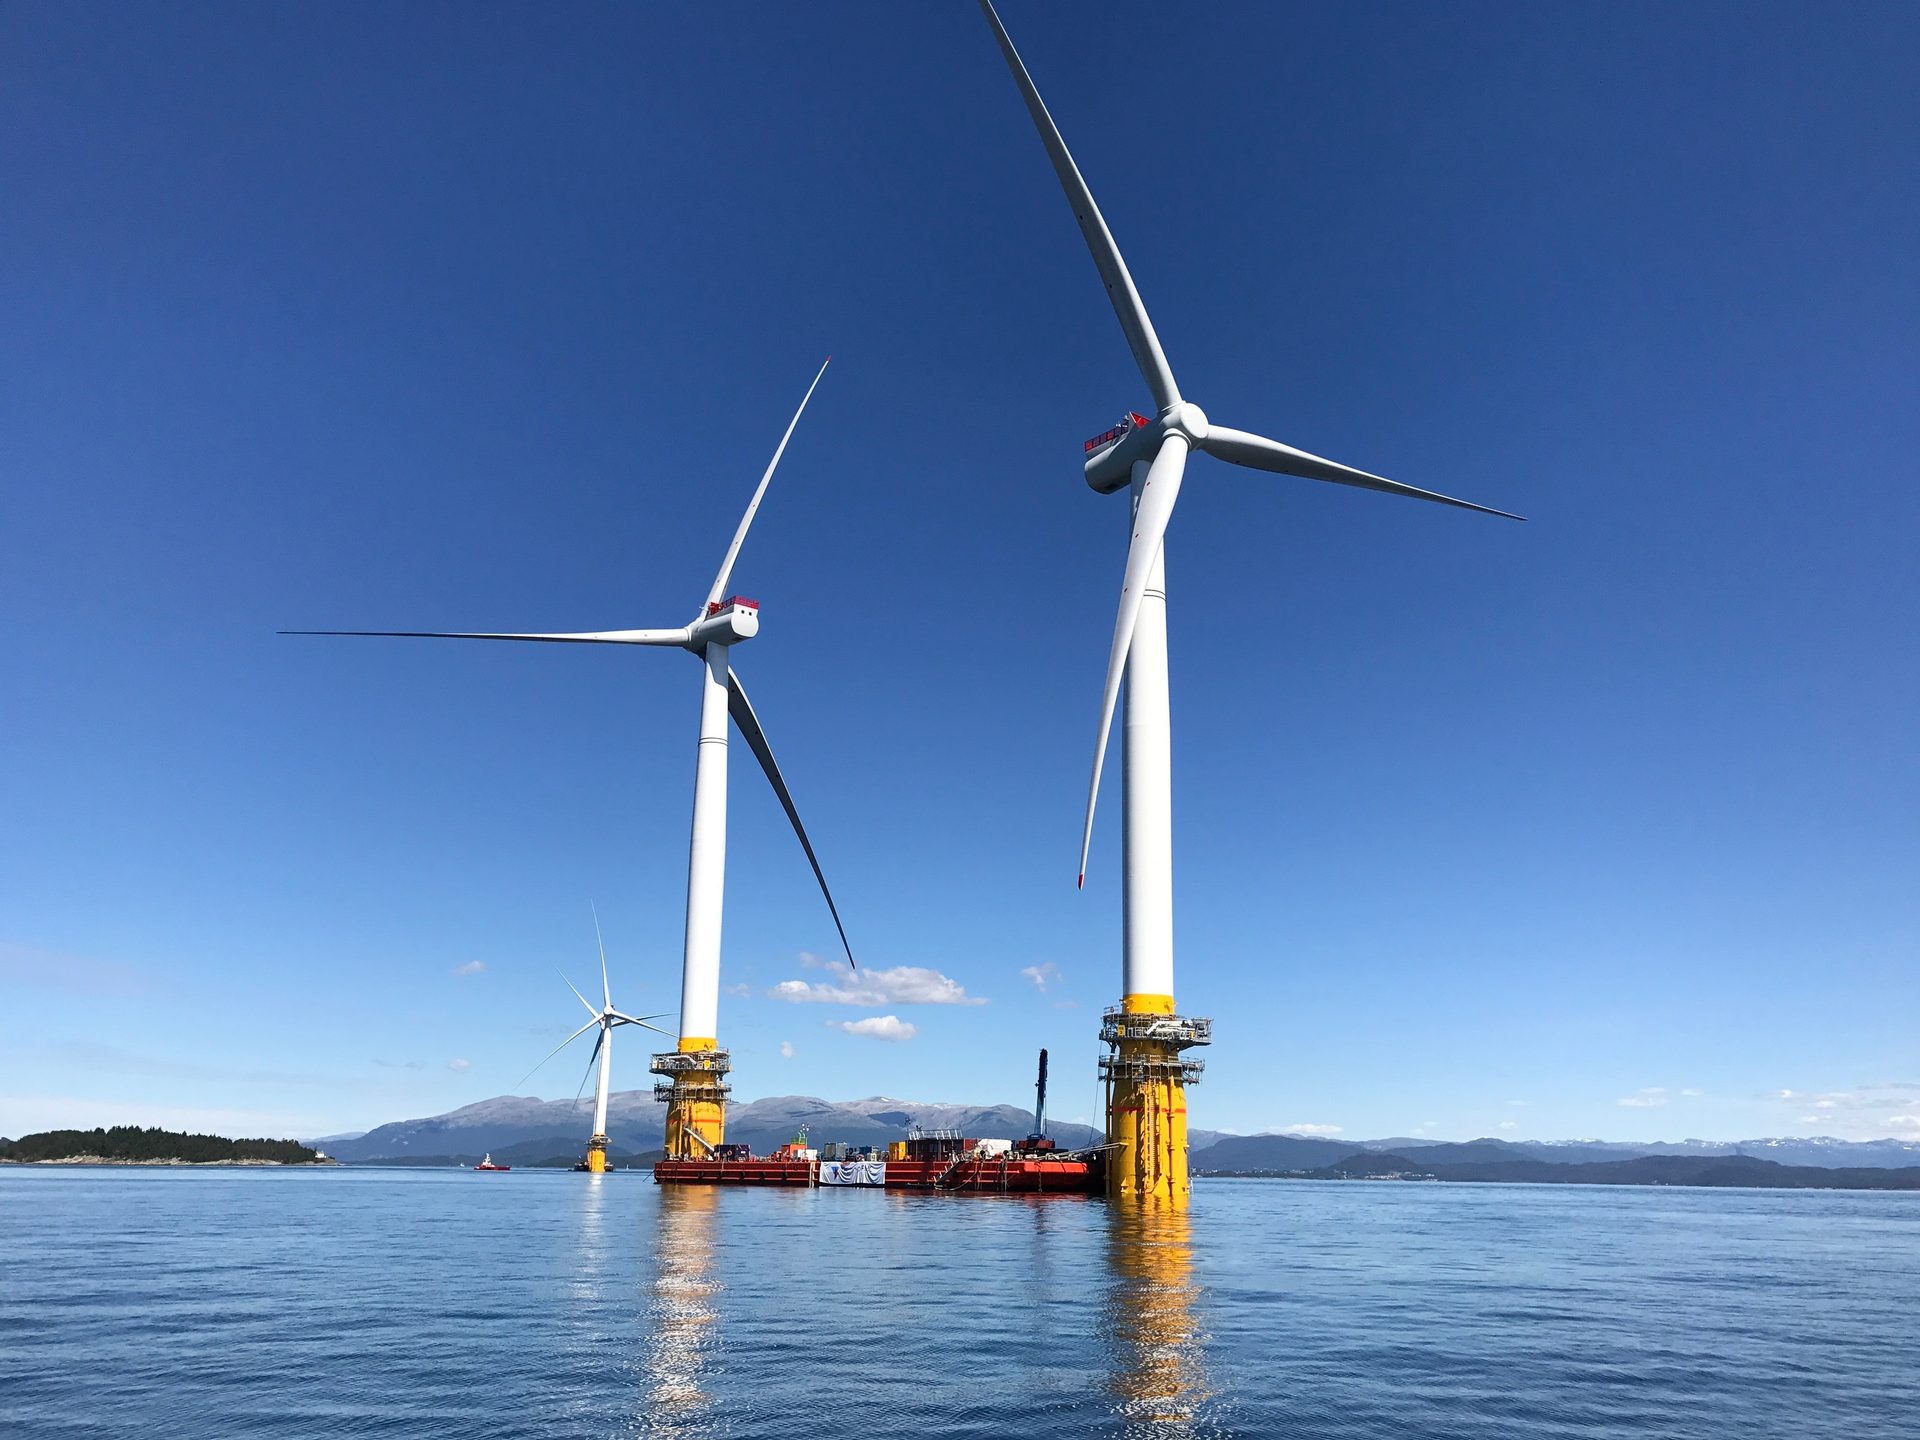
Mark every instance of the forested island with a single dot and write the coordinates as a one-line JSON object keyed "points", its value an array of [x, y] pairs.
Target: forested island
{"points": [[131, 1145]]}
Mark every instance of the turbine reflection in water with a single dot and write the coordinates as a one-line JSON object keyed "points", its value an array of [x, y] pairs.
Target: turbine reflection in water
{"points": [[682, 1311], [588, 1287], [1149, 1322]]}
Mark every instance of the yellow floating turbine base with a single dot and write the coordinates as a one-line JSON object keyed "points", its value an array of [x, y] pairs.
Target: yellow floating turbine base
{"points": [[1147, 1080], [695, 1092]]}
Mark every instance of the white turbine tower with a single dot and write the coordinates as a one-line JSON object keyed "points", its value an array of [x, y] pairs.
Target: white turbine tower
{"points": [[607, 1020], [695, 1089], [1148, 455]]}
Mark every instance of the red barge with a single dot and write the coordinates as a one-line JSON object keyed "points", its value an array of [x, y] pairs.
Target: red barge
{"points": [[925, 1160], [1029, 1174]]}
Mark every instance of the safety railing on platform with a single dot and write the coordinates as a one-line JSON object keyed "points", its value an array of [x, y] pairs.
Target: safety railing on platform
{"points": [[1139, 1068], [678, 1062], [1180, 1030]]}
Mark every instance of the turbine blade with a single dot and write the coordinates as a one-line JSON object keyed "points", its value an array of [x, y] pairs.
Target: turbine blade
{"points": [[753, 506], [1121, 293], [641, 1021], [742, 711], [556, 1050], [576, 993], [585, 1076], [584, 637], [1149, 529], [1256, 452], [606, 990]]}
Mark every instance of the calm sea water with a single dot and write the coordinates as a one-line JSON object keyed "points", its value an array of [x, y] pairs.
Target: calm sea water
{"points": [[389, 1302]]}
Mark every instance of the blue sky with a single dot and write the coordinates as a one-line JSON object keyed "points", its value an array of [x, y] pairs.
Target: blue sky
{"points": [[487, 317]]}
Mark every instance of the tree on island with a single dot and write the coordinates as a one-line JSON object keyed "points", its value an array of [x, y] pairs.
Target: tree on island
{"points": [[131, 1142]]}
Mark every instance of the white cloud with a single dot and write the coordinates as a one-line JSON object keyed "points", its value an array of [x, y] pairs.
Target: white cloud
{"points": [[1311, 1129], [743, 990], [811, 961], [1041, 975], [399, 1064], [786, 1049], [1692, 1094], [459, 1066], [877, 1027], [1858, 1114], [472, 967], [901, 985], [1850, 1114], [1646, 1099], [1509, 1124]]}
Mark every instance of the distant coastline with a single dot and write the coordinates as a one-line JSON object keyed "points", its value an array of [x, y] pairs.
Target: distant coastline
{"points": [[1709, 1171]]}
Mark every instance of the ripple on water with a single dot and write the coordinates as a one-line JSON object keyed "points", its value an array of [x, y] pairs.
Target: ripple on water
{"points": [[395, 1302]]}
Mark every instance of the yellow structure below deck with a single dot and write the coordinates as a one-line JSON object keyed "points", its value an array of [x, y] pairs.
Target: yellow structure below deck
{"points": [[695, 1091], [1147, 1078]]}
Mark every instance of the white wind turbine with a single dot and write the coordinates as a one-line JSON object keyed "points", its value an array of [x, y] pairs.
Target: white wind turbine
{"points": [[607, 1020], [716, 627], [1148, 454]]}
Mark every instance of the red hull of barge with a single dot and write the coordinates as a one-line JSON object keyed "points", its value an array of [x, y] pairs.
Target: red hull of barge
{"points": [[995, 1174]]}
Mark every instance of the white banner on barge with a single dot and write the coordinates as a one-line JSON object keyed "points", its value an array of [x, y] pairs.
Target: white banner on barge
{"points": [[853, 1172]]}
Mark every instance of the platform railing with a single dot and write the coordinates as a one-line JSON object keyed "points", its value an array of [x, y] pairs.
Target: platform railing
{"points": [[1179, 1030], [1138, 1068], [678, 1062], [671, 1090]]}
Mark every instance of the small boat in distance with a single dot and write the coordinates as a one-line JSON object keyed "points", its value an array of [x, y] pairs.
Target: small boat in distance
{"points": [[486, 1163]]}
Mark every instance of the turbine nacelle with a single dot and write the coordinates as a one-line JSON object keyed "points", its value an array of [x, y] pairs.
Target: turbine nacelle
{"points": [[1111, 456], [727, 622]]}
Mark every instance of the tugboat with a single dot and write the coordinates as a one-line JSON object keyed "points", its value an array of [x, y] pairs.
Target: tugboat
{"points": [[486, 1163]]}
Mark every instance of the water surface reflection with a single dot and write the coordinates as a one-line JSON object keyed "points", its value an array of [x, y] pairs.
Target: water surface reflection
{"points": [[1150, 1325], [683, 1308]]}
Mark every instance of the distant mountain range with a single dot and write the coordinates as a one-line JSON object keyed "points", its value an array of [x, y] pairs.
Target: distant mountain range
{"points": [[1253, 1153], [527, 1130], [1712, 1170]]}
